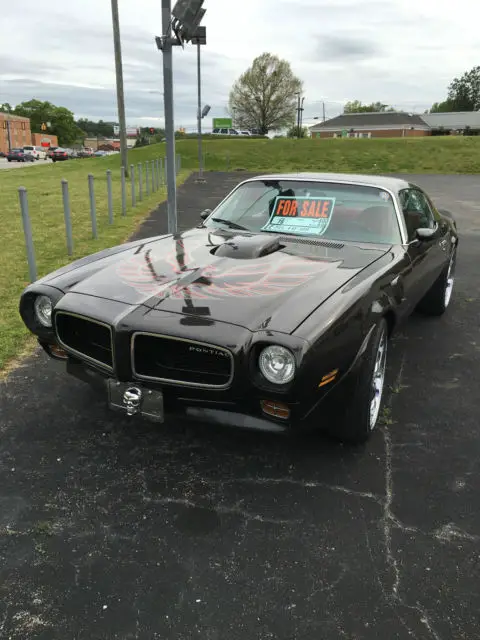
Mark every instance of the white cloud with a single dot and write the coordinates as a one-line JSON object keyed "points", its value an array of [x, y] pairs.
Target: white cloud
{"points": [[402, 52]]}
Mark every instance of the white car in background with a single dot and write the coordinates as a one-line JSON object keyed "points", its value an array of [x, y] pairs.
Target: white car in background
{"points": [[37, 152]]}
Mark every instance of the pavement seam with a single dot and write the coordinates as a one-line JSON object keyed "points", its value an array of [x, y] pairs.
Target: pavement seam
{"points": [[389, 520]]}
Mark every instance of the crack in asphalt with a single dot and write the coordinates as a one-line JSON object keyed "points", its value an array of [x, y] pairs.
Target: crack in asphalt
{"points": [[389, 521]]}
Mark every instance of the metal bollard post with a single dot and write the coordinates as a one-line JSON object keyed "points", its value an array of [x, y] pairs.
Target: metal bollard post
{"points": [[157, 174], [132, 183], [27, 232], [179, 163], [153, 175], [140, 182], [124, 191], [147, 184], [161, 171], [110, 196], [93, 209], [164, 171], [68, 217]]}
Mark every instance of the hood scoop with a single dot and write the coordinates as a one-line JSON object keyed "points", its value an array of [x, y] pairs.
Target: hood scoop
{"points": [[248, 247]]}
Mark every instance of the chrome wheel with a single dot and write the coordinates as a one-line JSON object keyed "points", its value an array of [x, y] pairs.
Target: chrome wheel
{"points": [[378, 379], [450, 280]]}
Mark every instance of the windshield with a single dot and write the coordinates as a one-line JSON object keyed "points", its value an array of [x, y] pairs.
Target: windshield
{"points": [[306, 208]]}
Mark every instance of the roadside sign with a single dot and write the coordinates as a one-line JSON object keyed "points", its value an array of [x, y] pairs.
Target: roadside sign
{"points": [[222, 123], [344, 133], [132, 131]]}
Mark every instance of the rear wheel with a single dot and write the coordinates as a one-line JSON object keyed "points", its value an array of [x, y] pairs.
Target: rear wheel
{"points": [[437, 299], [363, 411]]}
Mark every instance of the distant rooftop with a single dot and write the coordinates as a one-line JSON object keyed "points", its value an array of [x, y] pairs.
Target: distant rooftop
{"points": [[372, 119]]}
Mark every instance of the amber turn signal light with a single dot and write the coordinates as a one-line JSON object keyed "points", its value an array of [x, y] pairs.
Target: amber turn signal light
{"points": [[57, 352], [330, 377], [275, 409]]}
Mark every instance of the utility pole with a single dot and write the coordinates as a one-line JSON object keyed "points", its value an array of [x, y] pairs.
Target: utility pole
{"points": [[8, 135], [323, 106], [120, 94], [167, 50]]}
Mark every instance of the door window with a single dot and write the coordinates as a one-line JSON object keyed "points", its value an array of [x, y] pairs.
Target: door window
{"points": [[417, 211]]}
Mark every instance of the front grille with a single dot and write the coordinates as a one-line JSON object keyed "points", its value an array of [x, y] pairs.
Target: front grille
{"points": [[179, 361], [86, 338]]}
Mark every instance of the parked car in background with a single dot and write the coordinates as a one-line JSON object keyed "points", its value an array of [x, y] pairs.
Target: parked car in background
{"points": [[50, 152], [85, 153], [245, 133], [19, 155], [100, 154], [60, 154], [32, 151], [225, 132]]}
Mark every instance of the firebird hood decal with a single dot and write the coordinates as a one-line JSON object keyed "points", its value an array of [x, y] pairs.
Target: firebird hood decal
{"points": [[275, 291]]}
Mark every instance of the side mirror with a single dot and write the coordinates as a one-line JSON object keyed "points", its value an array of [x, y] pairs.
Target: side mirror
{"points": [[205, 213], [424, 234]]}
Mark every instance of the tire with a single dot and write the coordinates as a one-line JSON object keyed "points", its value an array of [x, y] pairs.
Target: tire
{"points": [[364, 403], [437, 299]]}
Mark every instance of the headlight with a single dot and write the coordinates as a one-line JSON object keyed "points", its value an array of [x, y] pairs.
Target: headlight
{"points": [[43, 310], [277, 364]]}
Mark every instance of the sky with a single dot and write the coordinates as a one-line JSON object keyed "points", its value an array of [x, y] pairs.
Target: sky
{"points": [[400, 52]]}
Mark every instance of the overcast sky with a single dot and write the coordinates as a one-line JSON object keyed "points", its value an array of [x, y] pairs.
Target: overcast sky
{"points": [[401, 52]]}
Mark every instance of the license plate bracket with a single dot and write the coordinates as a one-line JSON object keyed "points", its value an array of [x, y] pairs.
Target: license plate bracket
{"points": [[133, 399]]}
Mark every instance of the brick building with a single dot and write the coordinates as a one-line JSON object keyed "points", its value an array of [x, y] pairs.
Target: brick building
{"points": [[394, 124], [16, 129], [44, 140]]}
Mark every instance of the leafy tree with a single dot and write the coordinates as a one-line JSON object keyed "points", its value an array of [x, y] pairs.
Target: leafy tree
{"points": [[93, 129], [6, 108], [297, 132], [355, 106], [464, 92], [62, 122], [265, 96]]}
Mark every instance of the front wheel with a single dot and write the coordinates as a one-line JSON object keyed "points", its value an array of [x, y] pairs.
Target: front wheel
{"points": [[362, 412], [437, 299]]}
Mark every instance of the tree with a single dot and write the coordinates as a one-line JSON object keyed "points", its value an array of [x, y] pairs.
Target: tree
{"points": [[355, 106], [296, 132], [94, 129], [265, 96], [6, 108], [464, 92], [62, 122]]}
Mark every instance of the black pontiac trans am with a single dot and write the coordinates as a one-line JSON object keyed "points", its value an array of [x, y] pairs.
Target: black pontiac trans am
{"points": [[273, 313]]}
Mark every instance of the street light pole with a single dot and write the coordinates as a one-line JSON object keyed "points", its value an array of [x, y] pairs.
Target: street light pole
{"points": [[200, 38], [120, 93], [199, 80], [167, 50]]}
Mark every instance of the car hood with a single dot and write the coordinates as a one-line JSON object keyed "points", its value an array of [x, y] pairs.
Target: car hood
{"points": [[257, 281]]}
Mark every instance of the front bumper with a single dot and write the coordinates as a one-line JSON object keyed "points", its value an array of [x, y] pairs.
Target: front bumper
{"points": [[241, 412]]}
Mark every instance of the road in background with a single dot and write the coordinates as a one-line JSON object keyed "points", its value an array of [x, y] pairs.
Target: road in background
{"points": [[4, 164], [117, 528]]}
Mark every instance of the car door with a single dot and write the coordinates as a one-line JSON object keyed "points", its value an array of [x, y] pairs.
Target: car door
{"points": [[427, 255]]}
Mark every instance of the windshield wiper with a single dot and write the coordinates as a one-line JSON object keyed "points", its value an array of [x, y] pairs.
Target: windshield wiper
{"points": [[229, 223]]}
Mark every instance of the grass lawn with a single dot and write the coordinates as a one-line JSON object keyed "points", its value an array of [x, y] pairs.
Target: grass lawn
{"points": [[444, 155], [46, 212], [439, 154]]}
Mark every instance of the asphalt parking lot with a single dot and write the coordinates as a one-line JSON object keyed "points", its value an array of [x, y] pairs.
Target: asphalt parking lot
{"points": [[5, 164], [111, 529]]}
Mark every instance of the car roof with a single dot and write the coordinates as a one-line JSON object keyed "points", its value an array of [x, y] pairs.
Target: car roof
{"points": [[387, 182]]}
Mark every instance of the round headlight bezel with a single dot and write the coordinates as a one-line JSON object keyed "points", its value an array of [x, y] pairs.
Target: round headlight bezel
{"points": [[279, 351], [44, 320]]}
